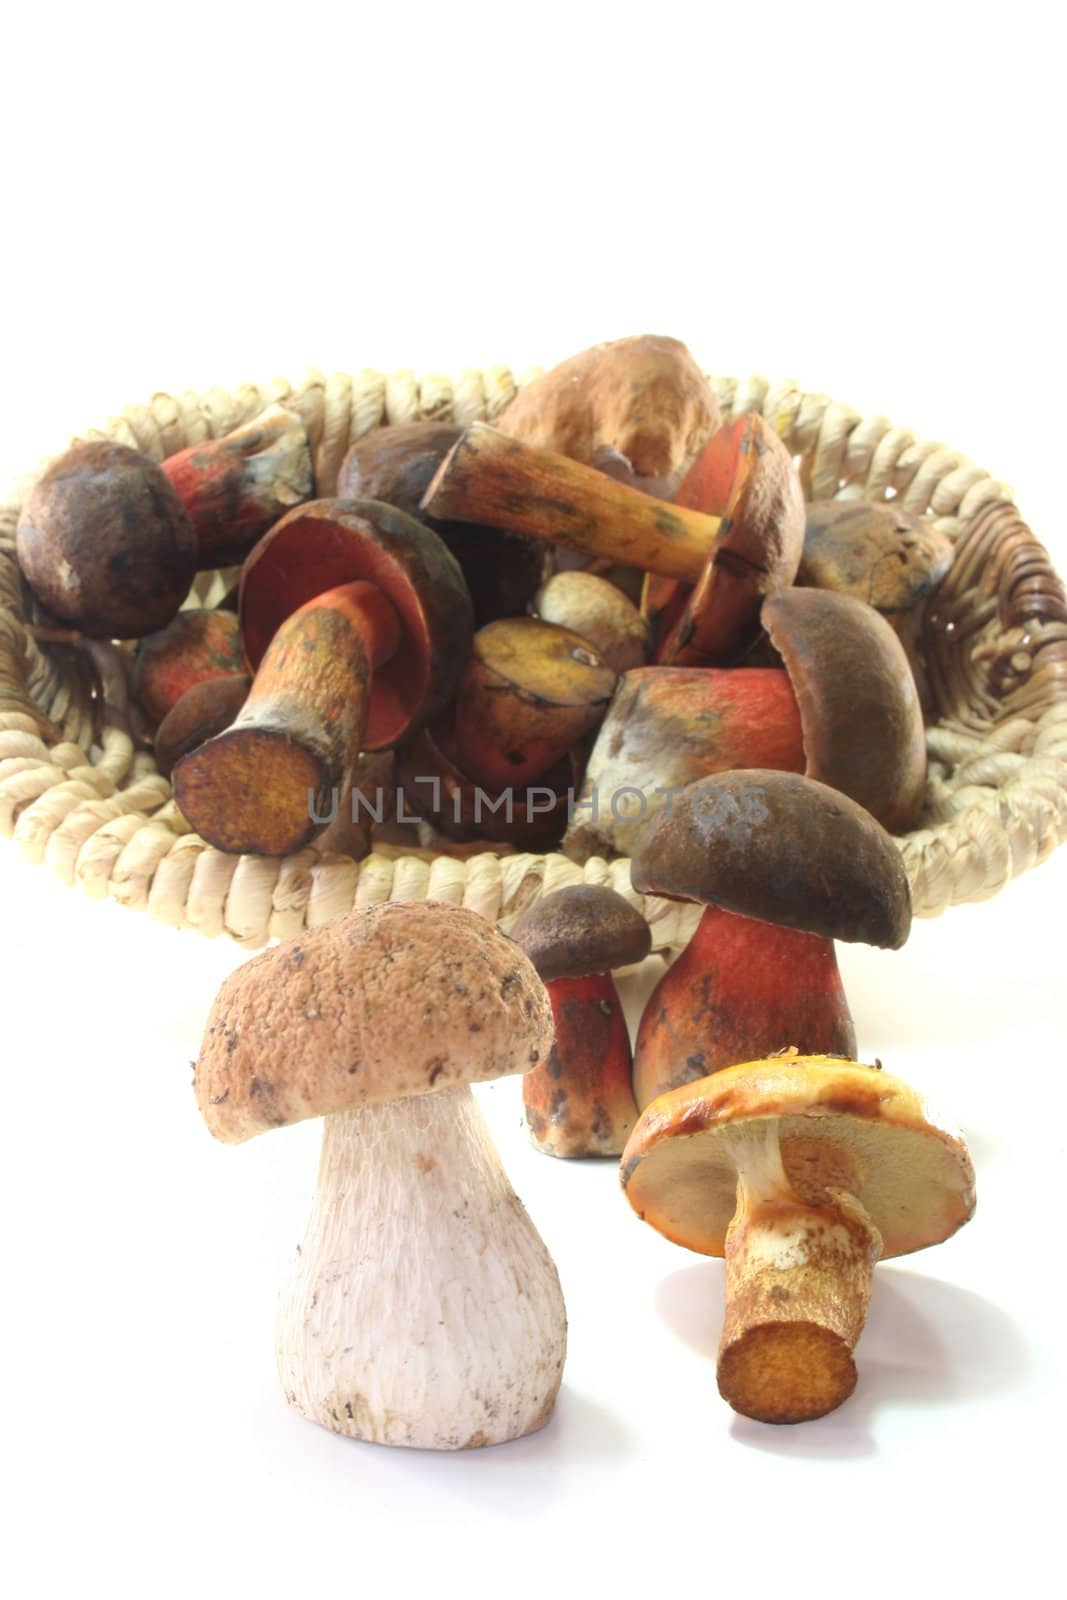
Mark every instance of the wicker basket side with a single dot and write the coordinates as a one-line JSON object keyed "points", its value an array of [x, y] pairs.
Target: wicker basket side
{"points": [[75, 795]]}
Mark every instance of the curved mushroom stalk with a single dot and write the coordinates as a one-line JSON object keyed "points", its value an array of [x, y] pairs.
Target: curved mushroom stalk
{"points": [[423, 1308], [580, 1101], [800, 1253]]}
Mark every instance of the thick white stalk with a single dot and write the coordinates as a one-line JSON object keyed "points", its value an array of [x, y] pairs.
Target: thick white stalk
{"points": [[423, 1308]]}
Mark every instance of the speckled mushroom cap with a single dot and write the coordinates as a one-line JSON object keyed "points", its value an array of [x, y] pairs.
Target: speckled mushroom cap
{"points": [[859, 707], [399, 1000], [878, 553], [680, 1165], [779, 848], [581, 930]]}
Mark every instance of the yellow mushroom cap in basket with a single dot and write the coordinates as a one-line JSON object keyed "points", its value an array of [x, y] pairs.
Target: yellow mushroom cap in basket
{"points": [[403, 999], [680, 1166]]}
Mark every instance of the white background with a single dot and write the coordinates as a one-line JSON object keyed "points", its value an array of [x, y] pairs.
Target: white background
{"points": [[868, 199]]}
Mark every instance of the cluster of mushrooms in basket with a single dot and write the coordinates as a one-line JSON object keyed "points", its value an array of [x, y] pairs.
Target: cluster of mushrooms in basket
{"points": [[607, 624]]}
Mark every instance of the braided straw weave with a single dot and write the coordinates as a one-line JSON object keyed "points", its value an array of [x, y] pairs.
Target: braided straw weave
{"points": [[75, 794]]}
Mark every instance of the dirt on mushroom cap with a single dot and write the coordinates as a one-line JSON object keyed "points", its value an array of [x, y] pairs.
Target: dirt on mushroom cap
{"points": [[404, 999]]}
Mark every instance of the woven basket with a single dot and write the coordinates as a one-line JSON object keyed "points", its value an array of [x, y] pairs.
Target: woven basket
{"points": [[76, 795]]}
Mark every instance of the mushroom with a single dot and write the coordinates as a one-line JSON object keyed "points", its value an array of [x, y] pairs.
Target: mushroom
{"points": [[395, 464], [195, 646], [643, 398], [204, 710], [749, 548], [802, 1172], [357, 622], [667, 727], [599, 611], [235, 487], [859, 707], [530, 692], [436, 789], [881, 554], [105, 543], [423, 1308], [784, 866], [580, 1101], [110, 542]]}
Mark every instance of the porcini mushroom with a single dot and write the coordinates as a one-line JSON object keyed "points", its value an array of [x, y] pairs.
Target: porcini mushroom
{"points": [[530, 692], [643, 399], [599, 611], [395, 464], [859, 706], [667, 727], [357, 622], [784, 867], [580, 1101], [748, 548], [803, 1172], [423, 1308]]}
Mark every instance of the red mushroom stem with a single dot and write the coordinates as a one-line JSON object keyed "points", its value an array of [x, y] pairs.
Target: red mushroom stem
{"points": [[580, 1101], [740, 990], [265, 784]]}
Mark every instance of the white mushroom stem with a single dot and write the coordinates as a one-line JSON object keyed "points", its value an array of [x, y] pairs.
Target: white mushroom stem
{"points": [[423, 1308], [799, 1256]]}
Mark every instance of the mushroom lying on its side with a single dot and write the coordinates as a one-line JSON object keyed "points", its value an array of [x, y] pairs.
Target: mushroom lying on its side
{"points": [[423, 1308], [802, 1172]]}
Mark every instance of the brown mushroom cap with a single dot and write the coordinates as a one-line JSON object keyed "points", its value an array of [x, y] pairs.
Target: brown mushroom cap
{"points": [[680, 1165], [104, 542], [644, 397], [781, 849], [404, 999], [862, 721], [877, 552], [581, 930]]}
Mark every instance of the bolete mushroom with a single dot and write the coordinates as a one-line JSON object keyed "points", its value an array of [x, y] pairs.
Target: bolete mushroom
{"points": [[667, 727], [109, 542], [749, 548], [784, 866], [195, 646], [395, 464], [599, 611], [802, 1172], [357, 622], [643, 399], [530, 693], [580, 1101], [859, 706], [423, 1308]]}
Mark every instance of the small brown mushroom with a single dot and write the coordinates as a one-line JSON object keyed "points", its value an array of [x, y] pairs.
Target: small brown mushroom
{"points": [[803, 1172], [204, 710], [530, 693], [863, 724], [357, 621], [643, 398], [667, 727], [196, 646], [580, 1101], [396, 464], [784, 866], [600, 612]]}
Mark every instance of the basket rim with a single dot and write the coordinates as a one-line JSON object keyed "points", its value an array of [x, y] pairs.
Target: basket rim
{"points": [[76, 794]]}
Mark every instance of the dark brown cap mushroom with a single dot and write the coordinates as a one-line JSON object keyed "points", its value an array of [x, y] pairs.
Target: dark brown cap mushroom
{"points": [[105, 543], [874, 551], [204, 710], [396, 464], [580, 1101], [859, 707], [784, 866]]}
